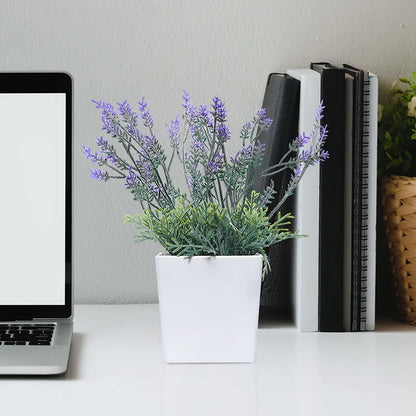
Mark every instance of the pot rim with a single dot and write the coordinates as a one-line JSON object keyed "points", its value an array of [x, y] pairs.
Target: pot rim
{"points": [[167, 255]]}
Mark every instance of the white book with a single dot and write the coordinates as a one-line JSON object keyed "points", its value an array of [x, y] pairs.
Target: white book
{"points": [[372, 201], [306, 259]]}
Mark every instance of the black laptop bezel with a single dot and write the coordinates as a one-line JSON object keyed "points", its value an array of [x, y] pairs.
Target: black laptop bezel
{"points": [[47, 82]]}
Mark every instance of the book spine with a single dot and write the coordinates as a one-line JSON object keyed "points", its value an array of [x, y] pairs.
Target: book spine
{"points": [[364, 203], [357, 202], [281, 103], [349, 88], [305, 276], [331, 203], [372, 203]]}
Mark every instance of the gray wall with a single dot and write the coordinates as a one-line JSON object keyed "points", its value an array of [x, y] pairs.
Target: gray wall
{"points": [[127, 49]]}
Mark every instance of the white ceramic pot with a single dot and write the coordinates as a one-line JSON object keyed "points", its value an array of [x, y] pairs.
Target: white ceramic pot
{"points": [[209, 307]]}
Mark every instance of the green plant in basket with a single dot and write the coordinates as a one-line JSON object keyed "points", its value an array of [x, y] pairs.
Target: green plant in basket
{"points": [[397, 129], [218, 213]]}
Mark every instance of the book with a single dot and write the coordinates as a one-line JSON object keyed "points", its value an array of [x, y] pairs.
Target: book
{"points": [[281, 102], [364, 199], [372, 200], [332, 200], [357, 274], [349, 102], [305, 271]]}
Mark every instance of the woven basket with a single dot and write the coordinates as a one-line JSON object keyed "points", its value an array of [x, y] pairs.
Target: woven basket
{"points": [[399, 207]]}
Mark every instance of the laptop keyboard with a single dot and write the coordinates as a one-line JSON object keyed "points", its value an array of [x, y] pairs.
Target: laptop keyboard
{"points": [[26, 334]]}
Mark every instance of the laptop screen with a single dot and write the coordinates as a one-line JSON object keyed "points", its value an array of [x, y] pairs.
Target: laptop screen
{"points": [[35, 243]]}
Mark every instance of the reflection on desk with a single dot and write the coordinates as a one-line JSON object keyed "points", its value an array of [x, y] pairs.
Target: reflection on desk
{"points": [[116, 368], [209, 389]]}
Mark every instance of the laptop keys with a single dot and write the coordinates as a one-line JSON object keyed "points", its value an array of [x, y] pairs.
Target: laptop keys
{"points": [[26, 334]]}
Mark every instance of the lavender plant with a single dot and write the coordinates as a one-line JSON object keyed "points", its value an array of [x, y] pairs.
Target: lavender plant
{"points": [[219, 213]]}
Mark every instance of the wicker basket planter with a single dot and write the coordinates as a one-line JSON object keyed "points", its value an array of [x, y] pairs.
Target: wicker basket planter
{"points": [[399, 208]]}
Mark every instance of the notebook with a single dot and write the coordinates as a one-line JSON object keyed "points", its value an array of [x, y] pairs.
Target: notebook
{"points": [[306, 265]]}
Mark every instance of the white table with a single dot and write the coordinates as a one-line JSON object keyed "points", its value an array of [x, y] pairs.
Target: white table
{"points": [[116, 368]]}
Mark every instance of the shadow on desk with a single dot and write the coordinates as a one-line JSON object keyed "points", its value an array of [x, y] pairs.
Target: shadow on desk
{"points": [[209, 389], [75, 358], [272, 317]]}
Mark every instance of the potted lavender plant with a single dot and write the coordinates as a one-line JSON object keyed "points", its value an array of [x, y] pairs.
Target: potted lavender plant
{"points": [[397, 169], [216, 231]]}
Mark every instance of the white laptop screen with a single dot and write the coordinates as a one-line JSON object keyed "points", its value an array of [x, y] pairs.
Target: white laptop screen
{"points": [[32, 209]]}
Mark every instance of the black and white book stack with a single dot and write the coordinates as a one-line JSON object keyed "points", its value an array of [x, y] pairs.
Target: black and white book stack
{"points": [[333, 270]]}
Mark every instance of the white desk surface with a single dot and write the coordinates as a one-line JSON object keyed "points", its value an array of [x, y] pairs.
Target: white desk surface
{"points": [[116, 368]]}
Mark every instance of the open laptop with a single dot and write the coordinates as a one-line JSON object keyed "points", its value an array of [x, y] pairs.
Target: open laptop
{"points": [[35, 222]]}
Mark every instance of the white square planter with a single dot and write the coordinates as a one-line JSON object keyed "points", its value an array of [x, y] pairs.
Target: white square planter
{"points": [[209, 307]]}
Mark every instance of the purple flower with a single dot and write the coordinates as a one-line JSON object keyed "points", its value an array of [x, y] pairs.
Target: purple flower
{"points": [[191, 183], [324, 155], [243, 155], [266, 123], [93, 157], [197, 146], [127, 113], [186, 100], [261, 114], [151, 146], [98, 174], [173, 130], [319, 112], [106, 108], [297, 172], [101, 142], [131, 180], [245, 132], [203, 113], [262, 120], [301, 140], [223, 133], [219, 112], [146, 116], [216, 164], [145, 170], [189, 108]]}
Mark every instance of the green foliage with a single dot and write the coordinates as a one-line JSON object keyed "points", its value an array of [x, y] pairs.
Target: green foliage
{"points": [[397, 130], [208, 229]]}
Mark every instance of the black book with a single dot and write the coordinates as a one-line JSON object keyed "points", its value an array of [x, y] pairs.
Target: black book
{"points": [[331, 200], [281, 101], [359, 198]]}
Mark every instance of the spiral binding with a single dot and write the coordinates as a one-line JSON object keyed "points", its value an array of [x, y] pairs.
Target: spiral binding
{"points": [[364, 202]]}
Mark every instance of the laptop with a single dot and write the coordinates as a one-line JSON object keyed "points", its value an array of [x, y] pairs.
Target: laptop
{"points": [[35, 222]]}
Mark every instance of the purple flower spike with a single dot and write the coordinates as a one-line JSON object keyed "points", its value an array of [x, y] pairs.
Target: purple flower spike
{"points": [[301, 140], [223, 133], [319, 112], [297, 171], [219, 112], [146, 116], [324, 155], [173, 130], [102, 142], [190, 110], [98, 174], [267, 122], [145, 170], [127, 113], [131, 180], [216, 164], [191, 183], [93, 157], [186, 99]]}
